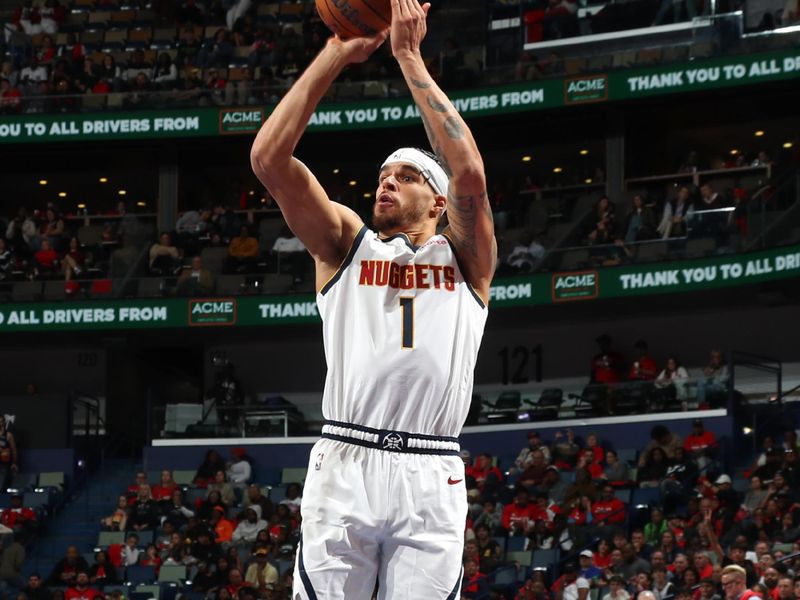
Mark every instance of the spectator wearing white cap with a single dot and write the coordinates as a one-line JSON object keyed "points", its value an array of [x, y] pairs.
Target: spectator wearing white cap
{"points": [[587, 569]]}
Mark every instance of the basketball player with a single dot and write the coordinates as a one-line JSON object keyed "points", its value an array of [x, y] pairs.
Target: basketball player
{"points": [[403, 313]]}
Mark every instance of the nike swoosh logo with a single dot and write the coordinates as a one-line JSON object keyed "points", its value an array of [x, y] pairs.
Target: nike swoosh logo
{"points": [[452, 481]]}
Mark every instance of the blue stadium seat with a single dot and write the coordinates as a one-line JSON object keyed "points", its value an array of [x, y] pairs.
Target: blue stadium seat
{"points": [[624, 495], [36, 499], [5, 500], [137, 575], [627, 455], [270, 475], [501, 540], [277, 493], [146, 537], [648, 496], [546, 560], [285, 565], [515, 543], [506, 576]]}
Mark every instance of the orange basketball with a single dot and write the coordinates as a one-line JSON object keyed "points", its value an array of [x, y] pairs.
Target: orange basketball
{"points": [[355, 18]]}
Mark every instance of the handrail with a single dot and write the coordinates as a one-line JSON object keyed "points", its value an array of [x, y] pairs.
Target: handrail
{"points": [[792, 178], [695, 174]]}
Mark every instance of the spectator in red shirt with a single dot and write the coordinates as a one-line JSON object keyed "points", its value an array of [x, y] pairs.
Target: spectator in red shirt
{"points": [[163, 490], [80, 590], [519, 515], [643, 368], [487, 477], [46, 259], [474, 584], [235, 582], [10, 97], [133, 489], [607, 364], [608, 510], [17, 517], [700, 445]]}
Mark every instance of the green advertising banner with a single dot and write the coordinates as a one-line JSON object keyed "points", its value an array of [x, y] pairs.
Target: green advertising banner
{"points": [[624, 84], [540, 289]]}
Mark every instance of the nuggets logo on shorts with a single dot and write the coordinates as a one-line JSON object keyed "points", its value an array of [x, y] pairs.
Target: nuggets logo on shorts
{"points": [[392, 441]]}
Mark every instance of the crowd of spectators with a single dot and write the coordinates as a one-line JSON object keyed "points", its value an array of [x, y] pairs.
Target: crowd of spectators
{"points": [[198, 52], [669, 521], [42, 245], [641, 386], [233, 539], [565, 518]]}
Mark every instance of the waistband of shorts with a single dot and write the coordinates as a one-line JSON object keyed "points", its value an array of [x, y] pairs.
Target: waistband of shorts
{"points": [[390, 440]]}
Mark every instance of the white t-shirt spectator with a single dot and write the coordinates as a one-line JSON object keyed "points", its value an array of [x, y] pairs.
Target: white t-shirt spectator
{"points": [[130, 556], [240, 472], [33, 75], [291, 244], [571, 591]]}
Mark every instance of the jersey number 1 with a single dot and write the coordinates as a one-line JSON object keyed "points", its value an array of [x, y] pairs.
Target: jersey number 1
{"points": [[407, 308]]}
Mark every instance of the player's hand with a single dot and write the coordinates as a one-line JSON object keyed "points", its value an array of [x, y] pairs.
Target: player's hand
{"points": [[409, 26], [358, 49]]}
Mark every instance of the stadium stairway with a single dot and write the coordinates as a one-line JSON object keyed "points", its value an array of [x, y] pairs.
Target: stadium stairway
{"points": [[79, 522]]}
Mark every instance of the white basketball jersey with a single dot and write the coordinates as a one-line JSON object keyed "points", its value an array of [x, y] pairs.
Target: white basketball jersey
{"points": [[402, 331]]}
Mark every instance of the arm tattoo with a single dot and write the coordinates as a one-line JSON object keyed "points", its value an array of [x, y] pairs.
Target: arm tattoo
{"points": [[437, 106], [420, 84], [464, 218], [437, 149], [453, 128]]}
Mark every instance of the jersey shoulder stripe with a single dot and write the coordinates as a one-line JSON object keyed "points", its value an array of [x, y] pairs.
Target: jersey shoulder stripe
{"points": [[346, 262]]}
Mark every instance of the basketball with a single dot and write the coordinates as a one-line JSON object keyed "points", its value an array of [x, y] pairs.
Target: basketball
{"points": [[355, 18]]}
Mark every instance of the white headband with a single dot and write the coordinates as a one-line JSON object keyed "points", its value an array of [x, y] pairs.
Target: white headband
{"points": [[430, 169]]}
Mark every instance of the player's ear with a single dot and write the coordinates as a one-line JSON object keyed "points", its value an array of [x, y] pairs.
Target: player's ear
{"points": [[439, 205]]}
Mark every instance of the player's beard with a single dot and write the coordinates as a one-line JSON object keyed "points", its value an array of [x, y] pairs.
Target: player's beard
{"points": [[398, 219]]}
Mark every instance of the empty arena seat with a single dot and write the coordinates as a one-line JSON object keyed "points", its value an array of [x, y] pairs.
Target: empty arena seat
{"points": [[172, 574], [293, 475], [54, 479], [107, 538], [139, 575]]}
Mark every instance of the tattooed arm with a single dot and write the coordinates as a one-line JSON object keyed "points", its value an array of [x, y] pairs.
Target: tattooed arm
{"points": [[468, 210]]}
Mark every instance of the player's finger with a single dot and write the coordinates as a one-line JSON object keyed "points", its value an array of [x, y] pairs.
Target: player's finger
{"points": [[414, 7], [398, 8], [425, 8]]}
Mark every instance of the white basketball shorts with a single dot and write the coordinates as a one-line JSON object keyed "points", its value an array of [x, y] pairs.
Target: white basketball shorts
{"points": [[378, 515]]}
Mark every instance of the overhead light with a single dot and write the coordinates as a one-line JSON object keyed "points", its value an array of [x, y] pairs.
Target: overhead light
{"points": [[141, 204], [251, 193], [122, 192], [336, 171], [747, 430], [527, 158], [759, 133], [43, 182], [587, 180], [557, 170], [62, 194], [263, 200], [353, 183], [81, 206], [103, 180], [584, 152], [367, 194], [734, 152], [787, 144]]}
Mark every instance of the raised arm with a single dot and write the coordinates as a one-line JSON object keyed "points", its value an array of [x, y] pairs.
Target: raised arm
{"points": [[325, 228], [469, 213]]}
